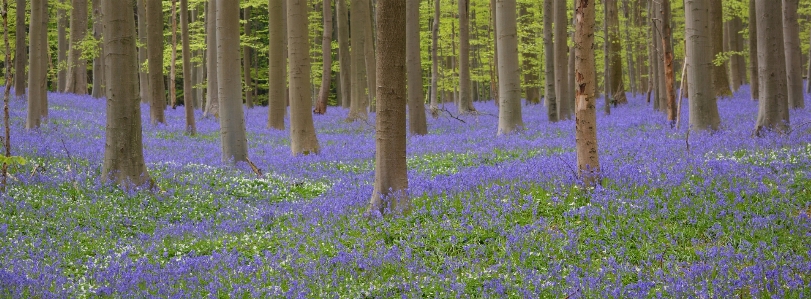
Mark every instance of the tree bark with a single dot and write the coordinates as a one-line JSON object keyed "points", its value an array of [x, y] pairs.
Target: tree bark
{"points": [[77, 66], [212, 65], [173, 57], [435, 61], [188, 91], [549, 62], [561, 61], [229, 81], [465, 103], [509, 71], [20, 59], [391, 177], [773, 103], [615, 81], [123, 151], [302, 130], [754, 84], [359, 103], [143, 75], [794, 71], [343, 53], [416, 103], [736, 61], [154, 44], [277, 66], [719, 72], [703, 108], [37, 65], [667, 59], [326, 54], [98, 61], [62, 48], [369, 57], [529, 57], [588, 162], [629, 50], [246, 59]]}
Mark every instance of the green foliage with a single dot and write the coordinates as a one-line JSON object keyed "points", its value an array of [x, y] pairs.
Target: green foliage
{"points": [[13, 160]]}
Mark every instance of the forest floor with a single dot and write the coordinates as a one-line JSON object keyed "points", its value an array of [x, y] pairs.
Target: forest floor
{"points": [[701, 215]]}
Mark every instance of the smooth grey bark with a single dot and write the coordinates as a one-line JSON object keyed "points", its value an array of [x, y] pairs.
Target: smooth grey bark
{"points": [[719, 73], [753, 54], [359, 103], [588, 162], [188, 92], [246, 59], [277, 66], [737, 75], [435, 61], [794, 71], [369, 57], [37, 65], [212, 65], [77, 66], [465, 103], [549, 62], [703, 108], [143, 75], [389, 195], [154, 45], [62, 47], [233, 137], [123, 150], [509, 71], [773, 104], [302, 130], [343, 52], [173, 57], [98, 61], [326, 58], [416, 103], [561, 61], [20, 57]]}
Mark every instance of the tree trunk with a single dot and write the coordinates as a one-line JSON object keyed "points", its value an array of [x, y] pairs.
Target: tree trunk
{"points": [[794, 71], [703, 108], [529, 57], [302, 130], [188, 92], [173, 57], [773, 103], [494, 68], [435, 61], [229, 81], [391, 177], [98, 61], [509, 71], [719, 73], [154, 44], [359, 103], [123, 150], [143, 76], [212, 86], [629, 50], [343, 52], [326, 54], [615, 81], [416, 103], [77, 66], [588, 162], [754, 83], [561, 61], [465, 103], [667, 59], [549, 62], [733, 27], [21, 59], [808, 85], [661, 89], [277, 66], [246, 59], [369, 57], [37, 65], [62, 48]]}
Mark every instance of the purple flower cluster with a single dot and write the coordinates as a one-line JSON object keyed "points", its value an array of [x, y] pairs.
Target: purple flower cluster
{"points": [[703, 215]]}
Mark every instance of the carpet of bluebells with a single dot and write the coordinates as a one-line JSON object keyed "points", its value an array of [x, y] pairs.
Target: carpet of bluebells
{"points": [[678, 215]]}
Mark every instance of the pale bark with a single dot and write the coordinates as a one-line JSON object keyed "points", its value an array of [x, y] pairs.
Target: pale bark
{"points": [[343, 53], [529, 58], [62, 23], [703, 108], [369, 57], [212, 86], [509, 71], [233, 137], [736, 62], [173, 57], [588, 162], [246, 59], [629, 50], [123, 150], [154, 45], [326, 57], [719, 73], [416, 103], [391, 178], [754, 82], [465, 103], [302, 130], [561, 61], [188, 92], [77, 66], [37, 65], [435, 61], [773, 106], [277, 66], [98, 61], [794, 70], [615, 81], [359, 103], [549, 61], [20, 58], [143, 75], [661, 87]]}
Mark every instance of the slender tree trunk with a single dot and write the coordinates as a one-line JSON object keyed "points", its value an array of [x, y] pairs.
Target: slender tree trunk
{"points": [[62, 47], [509, 71], [246, 59], [719, 73], [703, 108], [98, 61], [233, 137], [173, 58], [733, 38], [212, 86], [369, 57], [616, 82], [667, 45], [808, 85], [391, 177], [416, 103], [588, 161], [607, 74], [529, 56], [661, 90], [302, 130], [143, 75], [629, 49], [37, 64], [794, 71], [326, 66], [561, 59], [154, 44], [199, 68], [494, 69], [754, 85], [465, 103], [359, 103], [549, 61], [77, 66], [188, 92], [773, 106], [343, 52], [435, 61], [20, 58], [277, 66]]}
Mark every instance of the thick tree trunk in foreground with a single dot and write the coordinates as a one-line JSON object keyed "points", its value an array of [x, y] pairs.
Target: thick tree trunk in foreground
{"points": [[143, 76], [233, 137], [212, 86], [794, 69], [277, 66], [588, 162], [509, 71], [326, 57], [188, 92], [773, 104], [343, 53], [391, 177], [302, 130], [719, 73], [549, 62], [703, 107], [20, 59], [416, 103], [37, 65], [154, 45], [465, 103], [359, 103], [561, 61], [98, 62], [123, 151], [77, 66]]}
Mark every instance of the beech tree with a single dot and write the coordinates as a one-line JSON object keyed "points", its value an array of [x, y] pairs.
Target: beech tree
{"points": [[465, 103], [720, 79], [277, 66], [615, 81], [549, 61], [588, 162], [247, 51], [302, 129], [416, 103], [509, 71], [188, 93], [37, 64], [143, 75], [794, 71], [62, 45], [703, 107], [561, 61], [154, 44], [98, 61], [77, 66], [212, 86], [773, 104], [435, 61], [326, 54], [233, 137], [754, 82], [343, 52], [20, 60], [359, 103]]}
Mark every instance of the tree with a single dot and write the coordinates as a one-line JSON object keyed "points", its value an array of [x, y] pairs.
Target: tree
{"points": [[212, 86], [37, 64], [343, 52], [509, 71], [77, 66], [277, 66], [188, 93], [667, 59], [703, 108], [326, 54], [719, 72], [588, 162], [549, 61], [615, 81], [173, 57], [416, 103], [561, 61], [465, 103], [123, 149], [359, 103], [143, 75], [435, 61], [753, 54], [794, 71], [246, 59], [233, 137], [391, 177], [62, 46], [773, 103], [302, 129], [98, 61], [154, 46], [20, 59]]}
